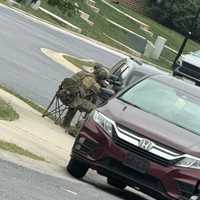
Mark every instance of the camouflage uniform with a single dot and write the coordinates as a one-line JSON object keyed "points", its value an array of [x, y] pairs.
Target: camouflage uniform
{"points": [[84, 101]]}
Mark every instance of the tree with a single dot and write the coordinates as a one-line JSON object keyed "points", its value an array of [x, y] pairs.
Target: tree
{"points": [[65, 6], [176, 14]]}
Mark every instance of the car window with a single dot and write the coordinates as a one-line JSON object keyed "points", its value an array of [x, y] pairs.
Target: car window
{"points": [[166, 102], [120, 69], [124, 71], [134, 77], [117, 66]]}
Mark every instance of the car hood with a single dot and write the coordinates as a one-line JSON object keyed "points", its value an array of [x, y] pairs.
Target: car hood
{"points": [[152, 127], [192, 59]]}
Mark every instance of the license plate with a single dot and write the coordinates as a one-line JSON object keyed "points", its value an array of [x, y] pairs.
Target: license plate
{"points": [[137, 163]]}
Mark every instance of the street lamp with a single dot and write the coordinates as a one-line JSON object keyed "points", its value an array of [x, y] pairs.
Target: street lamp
{"points": [[188, 35]]}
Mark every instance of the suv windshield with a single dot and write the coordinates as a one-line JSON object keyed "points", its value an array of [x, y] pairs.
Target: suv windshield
{"points": [[171, 104], [197, 54]]}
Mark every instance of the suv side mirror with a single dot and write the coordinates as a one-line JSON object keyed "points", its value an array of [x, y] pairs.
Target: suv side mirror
{"points": [[106, 93]]}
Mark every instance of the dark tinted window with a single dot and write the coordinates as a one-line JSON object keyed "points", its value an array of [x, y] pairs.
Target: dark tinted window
{"points": [[119, 71], [117, 66]]}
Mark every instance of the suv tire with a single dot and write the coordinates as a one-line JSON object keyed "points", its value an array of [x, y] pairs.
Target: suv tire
{"points": [[77, 168], [116, 183]]}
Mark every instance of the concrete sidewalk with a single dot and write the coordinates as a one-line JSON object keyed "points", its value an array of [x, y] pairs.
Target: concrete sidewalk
{"points": [[36, 134]]}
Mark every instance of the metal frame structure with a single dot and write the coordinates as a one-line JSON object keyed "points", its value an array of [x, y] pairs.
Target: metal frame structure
{"points": [[56, 108]]}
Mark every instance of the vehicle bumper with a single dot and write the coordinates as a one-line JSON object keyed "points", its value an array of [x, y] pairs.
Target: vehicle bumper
{"points": [[99, 150], [177, 72]]}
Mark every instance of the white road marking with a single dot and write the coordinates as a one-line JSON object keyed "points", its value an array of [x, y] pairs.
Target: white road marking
{"points": [[58, 57], [69, 191]]}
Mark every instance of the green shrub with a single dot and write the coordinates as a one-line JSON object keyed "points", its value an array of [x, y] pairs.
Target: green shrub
{"points": [[65, 6], [7, 112], [176, 14], [53, 2]]}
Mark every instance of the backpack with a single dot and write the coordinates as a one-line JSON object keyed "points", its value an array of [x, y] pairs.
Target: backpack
{"points": [[70, 85], [67, 91]]}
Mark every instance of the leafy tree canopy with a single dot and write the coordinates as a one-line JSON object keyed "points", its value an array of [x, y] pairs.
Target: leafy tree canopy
{"points": [[65, 6], [176, 14]]}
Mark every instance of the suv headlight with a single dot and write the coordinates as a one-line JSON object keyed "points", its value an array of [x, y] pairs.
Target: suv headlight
{"points": [[104, 122], [180, 61], [189, 162]]}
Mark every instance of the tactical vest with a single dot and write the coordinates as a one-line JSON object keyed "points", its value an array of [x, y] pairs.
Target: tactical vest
{"points": [[78, 84], [79, 78], [84, 81]]}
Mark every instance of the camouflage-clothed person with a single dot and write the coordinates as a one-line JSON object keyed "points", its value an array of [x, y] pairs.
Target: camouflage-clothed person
{"points": [[88, 88]]}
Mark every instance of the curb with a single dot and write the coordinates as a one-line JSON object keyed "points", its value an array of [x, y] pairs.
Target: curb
{"points": [[41, 167], [60, 19]]}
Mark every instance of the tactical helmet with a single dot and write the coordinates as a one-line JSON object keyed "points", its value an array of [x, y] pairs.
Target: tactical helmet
{"points": [[101, 72]]}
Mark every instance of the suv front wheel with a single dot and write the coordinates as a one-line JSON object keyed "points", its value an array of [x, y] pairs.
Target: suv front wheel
{"points": [[77, 168], [116, 183]]}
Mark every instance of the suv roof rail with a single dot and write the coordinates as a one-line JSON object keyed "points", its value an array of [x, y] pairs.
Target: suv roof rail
{"points": [[138, 61]]}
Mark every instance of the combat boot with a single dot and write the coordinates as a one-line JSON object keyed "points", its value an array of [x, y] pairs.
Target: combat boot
{"points": [[73, 131]]}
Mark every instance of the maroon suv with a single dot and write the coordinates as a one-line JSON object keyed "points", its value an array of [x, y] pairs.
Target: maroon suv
{"points": [[148, 137]]}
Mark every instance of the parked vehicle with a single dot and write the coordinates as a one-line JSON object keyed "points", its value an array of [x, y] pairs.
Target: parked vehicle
{"points": [[148, 137], [125, 72], [130, 70], [188, 67]]}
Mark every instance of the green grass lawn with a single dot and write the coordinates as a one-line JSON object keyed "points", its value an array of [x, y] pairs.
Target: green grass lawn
{"points": [[16, 149], [42, 15], [7, 112], [101, 25], [102, 28], [86, 28], [28, 101], [78, 62], [174, 39]]}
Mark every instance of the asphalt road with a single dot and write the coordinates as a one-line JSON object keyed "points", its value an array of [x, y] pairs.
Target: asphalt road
{"points": [[18, 183], [25, 69]]}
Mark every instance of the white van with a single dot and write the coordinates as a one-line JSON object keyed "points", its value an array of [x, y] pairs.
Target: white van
{"points": [[188, 67]]}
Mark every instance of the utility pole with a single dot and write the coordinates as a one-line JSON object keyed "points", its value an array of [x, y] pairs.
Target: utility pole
{"points": [[188, 35]]}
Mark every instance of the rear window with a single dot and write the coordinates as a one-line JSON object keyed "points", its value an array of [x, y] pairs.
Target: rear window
{"points": [[166, 102], [122, 71]]}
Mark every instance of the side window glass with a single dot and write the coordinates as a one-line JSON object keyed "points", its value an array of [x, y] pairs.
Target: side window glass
{"points": [[117, 66], [124, 72], [120, 69]]}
